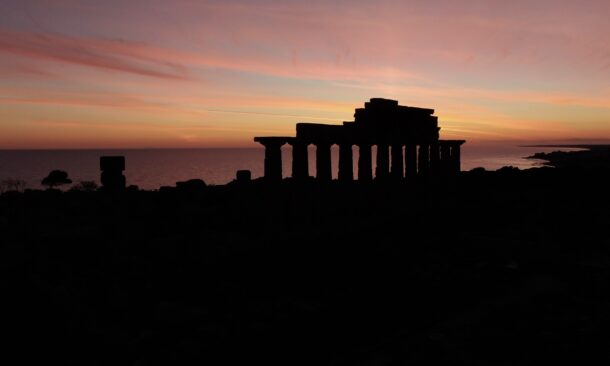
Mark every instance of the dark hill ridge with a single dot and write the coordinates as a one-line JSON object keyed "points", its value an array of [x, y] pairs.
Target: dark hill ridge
{"points": [[505, 267]]}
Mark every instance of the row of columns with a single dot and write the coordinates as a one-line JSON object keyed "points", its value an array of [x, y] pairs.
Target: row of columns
{"points": [[439, 158]]}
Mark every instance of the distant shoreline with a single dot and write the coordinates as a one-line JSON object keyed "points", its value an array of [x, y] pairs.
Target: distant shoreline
{"points": [[574, 146], [590, 156]]}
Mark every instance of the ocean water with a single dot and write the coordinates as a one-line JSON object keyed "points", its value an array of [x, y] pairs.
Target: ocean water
{"points": [[153, 168]]}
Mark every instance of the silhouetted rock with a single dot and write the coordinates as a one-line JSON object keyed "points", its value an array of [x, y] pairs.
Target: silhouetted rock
{"points": [[112, 177], [132, 188], [191, 185], [243, 176]]}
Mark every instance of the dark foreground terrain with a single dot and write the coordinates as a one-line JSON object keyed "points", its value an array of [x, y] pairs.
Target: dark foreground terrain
{"points": [[494, 268]]}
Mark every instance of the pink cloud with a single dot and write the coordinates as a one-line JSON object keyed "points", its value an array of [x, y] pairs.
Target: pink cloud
{"points": [[21, 96], [24, 70], [108, 55], [156, 61]]}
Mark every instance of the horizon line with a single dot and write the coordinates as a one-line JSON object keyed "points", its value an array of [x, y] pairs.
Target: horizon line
{"points": [[519, 142]]}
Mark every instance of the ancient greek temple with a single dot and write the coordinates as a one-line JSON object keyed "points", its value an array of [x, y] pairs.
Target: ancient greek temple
{"points": [[407, 141]]}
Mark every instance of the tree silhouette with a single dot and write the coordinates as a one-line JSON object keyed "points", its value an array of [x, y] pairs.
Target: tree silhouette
{"points": [[56, 178]]}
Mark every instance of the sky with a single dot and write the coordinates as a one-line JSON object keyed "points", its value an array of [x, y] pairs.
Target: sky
{"points": [[187, 73]]}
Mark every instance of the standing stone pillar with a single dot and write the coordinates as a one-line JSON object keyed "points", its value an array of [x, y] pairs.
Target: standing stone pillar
{"points": [[365, 161], [300, 161], [445, 159], [383, 162], [397, 169], [323, 165], [346, 162], [455, 159], [435, 159], [411, 161], [424, 160], [273, 160], [112, 168]]}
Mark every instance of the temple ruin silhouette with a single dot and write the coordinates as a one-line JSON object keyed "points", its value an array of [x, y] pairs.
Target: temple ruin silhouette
{"points": [[382, 123]]}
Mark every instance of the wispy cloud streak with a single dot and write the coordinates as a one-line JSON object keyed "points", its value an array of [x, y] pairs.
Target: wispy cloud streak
{"points": [[112, 55]]}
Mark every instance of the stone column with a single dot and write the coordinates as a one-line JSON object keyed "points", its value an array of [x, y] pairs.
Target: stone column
{"points": [[445, 158], [300, 161], [435, 159], [112, 168], [411, 161], [383, 162], [346, 163], [397, 169], [273, 160], [365, 161], [323, 166], [424, 160], [456, 166]]}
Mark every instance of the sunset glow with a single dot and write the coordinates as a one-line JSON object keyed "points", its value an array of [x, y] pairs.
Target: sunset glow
{"points": [[183, 73]]}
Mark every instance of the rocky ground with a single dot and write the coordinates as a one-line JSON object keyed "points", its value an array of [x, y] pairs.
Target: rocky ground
{"points": [[490, 268]]}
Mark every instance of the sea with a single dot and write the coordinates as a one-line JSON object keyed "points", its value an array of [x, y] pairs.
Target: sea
{"points": [[153, 168]]}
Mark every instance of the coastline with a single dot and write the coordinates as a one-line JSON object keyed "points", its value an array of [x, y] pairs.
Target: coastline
{"points": [[151, 169], [590, 156]]}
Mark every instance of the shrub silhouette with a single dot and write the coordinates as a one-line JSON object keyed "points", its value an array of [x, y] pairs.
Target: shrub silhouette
{"points": [[56, 178], [12, 184], [85, 186]]}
